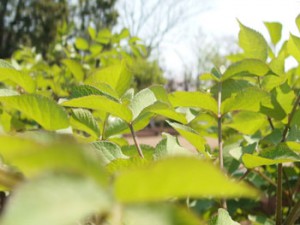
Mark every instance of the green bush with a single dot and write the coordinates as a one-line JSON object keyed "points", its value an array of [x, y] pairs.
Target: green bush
{"points": [[64, 160]]}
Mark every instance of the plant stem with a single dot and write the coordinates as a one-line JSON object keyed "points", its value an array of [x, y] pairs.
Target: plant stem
{"points": [[136, 141], [220, 144], [294, 215], [279, 195], [280, 170], [104, 126]]}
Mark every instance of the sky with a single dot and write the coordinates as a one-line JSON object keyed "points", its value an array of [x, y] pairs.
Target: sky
{"points": [[220, 20]]}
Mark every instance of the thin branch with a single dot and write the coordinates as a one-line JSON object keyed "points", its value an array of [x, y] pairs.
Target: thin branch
{"points": [[220, 142], [138, 147], [279, 195], [293, 215]]}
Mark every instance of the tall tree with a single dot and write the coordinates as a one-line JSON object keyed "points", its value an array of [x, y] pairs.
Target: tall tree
{"points": [[35, 22]]}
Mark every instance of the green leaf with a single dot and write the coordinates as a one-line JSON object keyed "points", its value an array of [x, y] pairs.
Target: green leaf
{"points": [[146, 98], [223, 218], [248, 99], [190, 135], [177, 177], [254, 67], [159, 214], [85, 90], [298, 22], [118, 126], [92, 32], [124, 33], [165, 110], [130, 150], [44, 111], [116, 76], [253, 43], [230, 87], [5, 64], [55, 199], [101, 103], [270, 156], [81, 43], [61, 154], [107, 151], [293, 46], [82, 119], [194, 99], [19, 78], [169, 146], [247, 122], [75, 68], [104, 36], [275, 30]]}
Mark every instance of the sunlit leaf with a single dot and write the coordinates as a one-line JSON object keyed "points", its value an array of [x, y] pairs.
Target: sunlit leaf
{"points": [[39, 108], [159, 214], [102, 103], [82, 119], [55, 199], [116, 76], [75, 68], [223, 218], [247, 122], [248, 99], [35, 157], [194, 99], [165, 110], [272, 155], [190, 135], [293, 46], [22, 79], [81, 43], [246, 67], [253, 43], [298, 22], [274, 29], [177, 177]]}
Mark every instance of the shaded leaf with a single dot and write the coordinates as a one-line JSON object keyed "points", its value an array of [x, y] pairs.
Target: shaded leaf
{"points": [[82, 119], [107, 151], [102, 103], [223, 218], [85, 90], [190, 135], [169, 146]]}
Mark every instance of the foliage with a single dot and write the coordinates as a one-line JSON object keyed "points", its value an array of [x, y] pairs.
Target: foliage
{"points": [[36, 22], [64, 160], [146, 73]]}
